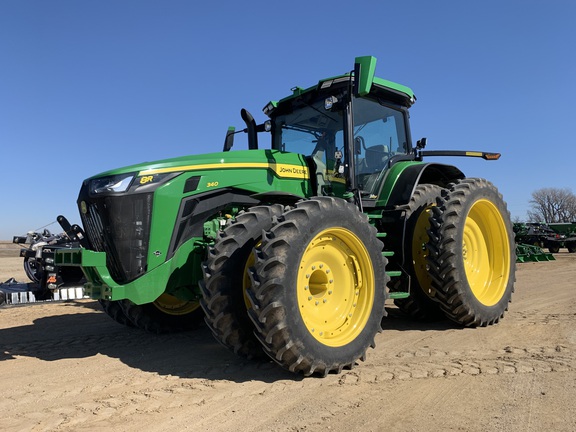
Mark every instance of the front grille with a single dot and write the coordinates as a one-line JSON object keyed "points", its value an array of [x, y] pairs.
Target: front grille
{"points": [[119, 226]]}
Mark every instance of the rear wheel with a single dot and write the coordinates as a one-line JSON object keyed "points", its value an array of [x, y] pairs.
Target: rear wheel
{"points": [[226, 280], [167, 314], [318, 287], [554, 249], [420, 304], [571, 247], [472, 253]]}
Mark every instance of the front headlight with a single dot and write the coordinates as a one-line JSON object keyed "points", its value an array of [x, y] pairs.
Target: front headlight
{"points": [[115, 184]]}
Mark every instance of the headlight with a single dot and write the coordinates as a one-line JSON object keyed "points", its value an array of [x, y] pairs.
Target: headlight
{"points": [[115, 184]]}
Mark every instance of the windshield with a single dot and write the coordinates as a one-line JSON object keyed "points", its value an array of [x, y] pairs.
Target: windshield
{"points": [[379, 134], [315, 132]]}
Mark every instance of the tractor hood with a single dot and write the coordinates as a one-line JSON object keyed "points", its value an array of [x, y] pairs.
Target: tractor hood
{"points": [[280, 162], [146, 175]]}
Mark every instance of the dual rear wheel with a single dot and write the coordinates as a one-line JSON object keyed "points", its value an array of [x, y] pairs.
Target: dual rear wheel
{"points": [[471, 253], [459, 251]]}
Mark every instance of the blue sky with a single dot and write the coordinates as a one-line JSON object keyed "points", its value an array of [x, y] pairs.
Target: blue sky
{"points": [[87, 86]]}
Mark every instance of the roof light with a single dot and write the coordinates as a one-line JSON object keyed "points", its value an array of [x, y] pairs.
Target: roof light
{"points": [[329, 102], [269, 108]]}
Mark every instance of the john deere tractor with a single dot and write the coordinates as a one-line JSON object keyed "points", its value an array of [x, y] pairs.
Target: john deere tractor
{"points": [[292, 250]]}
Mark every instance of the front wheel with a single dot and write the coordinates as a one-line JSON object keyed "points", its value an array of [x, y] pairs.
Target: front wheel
{"points": [[318, 287], [114, 310], [226, 280], [472, 253], [167, 314]]}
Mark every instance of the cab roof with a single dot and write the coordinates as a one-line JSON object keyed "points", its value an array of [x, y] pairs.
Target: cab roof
{"points": [[368, 84]]}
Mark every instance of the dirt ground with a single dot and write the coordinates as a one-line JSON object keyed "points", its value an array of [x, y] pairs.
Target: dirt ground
{"points": [[66, 366]]}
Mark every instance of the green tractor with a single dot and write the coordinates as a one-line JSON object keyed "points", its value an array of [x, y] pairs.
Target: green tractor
{"points": [[292, 251]]}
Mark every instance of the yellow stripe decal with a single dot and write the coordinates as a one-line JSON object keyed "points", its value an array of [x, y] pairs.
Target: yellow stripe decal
{"points": [[281, 170], [471, 153]]}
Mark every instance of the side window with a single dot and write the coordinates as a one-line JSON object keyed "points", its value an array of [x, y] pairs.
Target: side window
{"points": [[379, 134], [376, 142]]}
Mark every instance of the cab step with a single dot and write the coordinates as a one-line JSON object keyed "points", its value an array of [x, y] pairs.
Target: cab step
{"points": [[398, 295]]}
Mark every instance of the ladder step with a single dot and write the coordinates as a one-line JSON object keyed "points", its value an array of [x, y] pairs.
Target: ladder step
{"points": [[394, 273], [381, 235], [388, 253], [399, 295]]}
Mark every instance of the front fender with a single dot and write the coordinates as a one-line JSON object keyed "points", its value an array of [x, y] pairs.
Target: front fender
{"points": [[403, 177]]}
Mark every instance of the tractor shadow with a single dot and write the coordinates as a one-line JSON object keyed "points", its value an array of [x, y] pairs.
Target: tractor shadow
{"points": [[89, 332], [84, 331], [397, 320]]}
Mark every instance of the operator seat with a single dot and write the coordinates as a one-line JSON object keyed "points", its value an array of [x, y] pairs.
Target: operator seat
{"points": [[375, 159]]}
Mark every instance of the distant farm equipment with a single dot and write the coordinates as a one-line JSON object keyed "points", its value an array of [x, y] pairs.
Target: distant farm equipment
{"points": [[532, 238], [46, 279]]}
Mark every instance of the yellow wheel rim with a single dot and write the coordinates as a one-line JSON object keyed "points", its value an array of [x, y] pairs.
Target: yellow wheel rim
{"points": [[246, 282], [174, 306], [335, 287], [419, 251], [486, 252]]}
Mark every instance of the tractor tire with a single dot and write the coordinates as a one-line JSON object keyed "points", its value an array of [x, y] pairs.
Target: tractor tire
{"points": [[33, 270], [167, 314], [554, 249], [114, 310], [472, 253], [420, 305], [226, 279], [318, 287], [571, 247]]}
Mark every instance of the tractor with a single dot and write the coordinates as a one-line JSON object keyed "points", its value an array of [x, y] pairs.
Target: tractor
{"points": [[290, 252]]}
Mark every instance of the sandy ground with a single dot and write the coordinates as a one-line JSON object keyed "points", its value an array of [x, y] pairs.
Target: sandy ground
{"points": [[67, 367]]}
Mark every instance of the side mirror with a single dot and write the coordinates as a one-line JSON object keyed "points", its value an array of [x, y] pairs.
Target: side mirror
{"points": [[229, 140]]}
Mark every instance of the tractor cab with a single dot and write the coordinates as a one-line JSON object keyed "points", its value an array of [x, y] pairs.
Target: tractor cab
{"points": [[351, 129]]}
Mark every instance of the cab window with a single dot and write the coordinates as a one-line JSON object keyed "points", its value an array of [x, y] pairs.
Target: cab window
{"points": [[379, 134]]}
